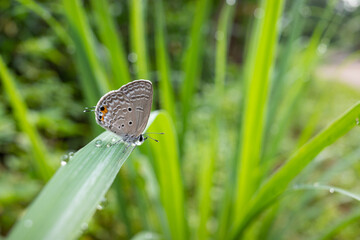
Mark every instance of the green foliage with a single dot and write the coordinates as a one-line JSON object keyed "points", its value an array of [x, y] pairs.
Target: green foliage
{"points": [[257, 76], [241, 110], [77, 187], [41, 163]]}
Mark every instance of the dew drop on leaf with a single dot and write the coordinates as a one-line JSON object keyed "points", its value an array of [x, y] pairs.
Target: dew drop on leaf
{"points": [[71, 154], [98, 143], [64, 159]]}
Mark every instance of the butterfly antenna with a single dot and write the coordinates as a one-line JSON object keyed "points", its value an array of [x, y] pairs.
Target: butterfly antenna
{"points": [[152, 138], [89, 109], [147, 136]]}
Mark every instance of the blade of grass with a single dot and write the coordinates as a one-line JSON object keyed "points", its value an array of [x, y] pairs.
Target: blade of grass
{"points": [[153, 191], [19, 109], [331, 232], [50, 20], [90, 92], [85, 46], [167, 168], [70, 198], [113, 42], [305, 65], [92, 78], [277, 183], [138, 38], [166, 91], [192, 62], [258, 68], [207, 166], [331, 189], [339, 224], [141, 198], [121, 203], [341, 165], [279, 83]]}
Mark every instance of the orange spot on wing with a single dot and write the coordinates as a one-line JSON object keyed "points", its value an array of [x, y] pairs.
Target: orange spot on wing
{"points": [[103, 112]]}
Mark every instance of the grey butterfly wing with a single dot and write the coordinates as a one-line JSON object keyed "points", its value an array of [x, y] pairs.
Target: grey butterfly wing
{"points": [[126, 111], [140, 94]]}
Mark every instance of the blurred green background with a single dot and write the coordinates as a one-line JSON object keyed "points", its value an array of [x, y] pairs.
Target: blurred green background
{"points": [[248, 81]]}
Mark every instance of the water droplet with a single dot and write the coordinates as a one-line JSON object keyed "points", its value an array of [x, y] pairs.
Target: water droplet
{"points": [[84, 226], [28, 223], [259, 13], [114, 140], [331, 190], [230, 2], [99, 207], [64, 159], [108, 145], [132, 57], [316, 184], [322, 48], [71, 154], [357, 121], [98, 143]]}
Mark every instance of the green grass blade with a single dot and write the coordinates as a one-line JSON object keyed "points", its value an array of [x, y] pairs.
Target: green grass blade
{"points": [[138, 37], [166, 92], [167, 168], [331, 232], [277, 184], [305, 199], [113, 42], [305, 64], [279, 83], [77, 187], [20, 113], [257, 73], [331, 189], [122, 208], [153, 192], [87, 80], [85, 45], [192, 62], [222, 41], [46, 16], [208, 161]]}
